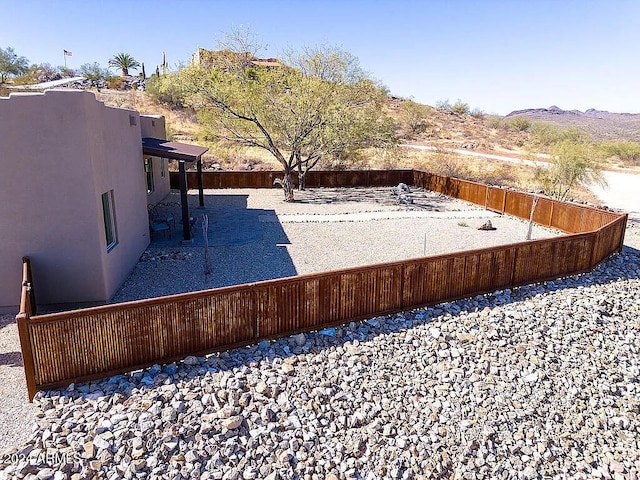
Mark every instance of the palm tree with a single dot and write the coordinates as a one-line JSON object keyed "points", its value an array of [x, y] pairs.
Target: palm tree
{"points": [[124, 61]]}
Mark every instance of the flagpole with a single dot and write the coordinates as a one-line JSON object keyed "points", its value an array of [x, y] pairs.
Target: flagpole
{"points": [[64, 54]]}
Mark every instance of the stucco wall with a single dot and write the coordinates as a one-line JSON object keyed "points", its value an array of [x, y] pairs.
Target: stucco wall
{"points": [[59, 151], [154, 126], [117, 166]]}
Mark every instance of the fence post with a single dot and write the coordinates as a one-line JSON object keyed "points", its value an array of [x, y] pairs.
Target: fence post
{"points": [[622, 232], [22, 319], [595, 242], [31, 293]]}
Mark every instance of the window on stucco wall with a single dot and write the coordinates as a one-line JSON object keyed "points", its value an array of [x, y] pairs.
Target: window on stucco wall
{"points": [[148, 169], [109, 217]]}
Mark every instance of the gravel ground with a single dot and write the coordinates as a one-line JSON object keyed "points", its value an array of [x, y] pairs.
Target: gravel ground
{"points": [[536, 382], [291, 247]]}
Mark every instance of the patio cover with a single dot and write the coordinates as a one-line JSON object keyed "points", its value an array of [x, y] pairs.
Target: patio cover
{"points": [[182, 152]]}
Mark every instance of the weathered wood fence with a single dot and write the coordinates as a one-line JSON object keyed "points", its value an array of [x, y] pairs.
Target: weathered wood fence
{"points": [[327, 178], [92, 343]]}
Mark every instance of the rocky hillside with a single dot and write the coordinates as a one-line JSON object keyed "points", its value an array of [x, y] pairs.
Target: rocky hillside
{"points": [[601, 125], [438, 127]]}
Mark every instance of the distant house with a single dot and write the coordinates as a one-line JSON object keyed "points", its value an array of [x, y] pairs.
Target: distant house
{"points": [[221, 58], [75, 185]]}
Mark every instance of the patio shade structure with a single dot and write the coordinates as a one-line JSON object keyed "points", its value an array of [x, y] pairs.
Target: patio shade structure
{"points": [[182, 153]]}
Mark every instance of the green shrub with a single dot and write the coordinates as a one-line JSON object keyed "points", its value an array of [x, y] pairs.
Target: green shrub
{"points": [[37, 74], [94, 73], [494, 122], [545, 134], [627, 153], [571, 163], [414, 116], [520, 124], [460, 107], [166, 90]]}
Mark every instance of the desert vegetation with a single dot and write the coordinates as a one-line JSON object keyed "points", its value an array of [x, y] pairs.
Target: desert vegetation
{"points": [[316, 106], [124, 62], [571, 163], [11, 65]]}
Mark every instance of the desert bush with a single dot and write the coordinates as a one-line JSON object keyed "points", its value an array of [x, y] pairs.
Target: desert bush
{"points": [[520, 124], [477, 113], [545, 134], [493, 122], [167, 90], [117, 83], [388, 158], [94, 73], [414, 116], [628, 153], [66, 72], [448, 164], [37, 74], [460, 107], [443, 104], [571, 163]]}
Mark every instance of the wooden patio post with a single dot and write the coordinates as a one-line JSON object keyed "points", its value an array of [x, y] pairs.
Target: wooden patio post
{"points": [[200, 183], [184, 202]]}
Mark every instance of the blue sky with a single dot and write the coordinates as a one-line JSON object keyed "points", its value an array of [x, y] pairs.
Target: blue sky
{"points": [[496, 55]]}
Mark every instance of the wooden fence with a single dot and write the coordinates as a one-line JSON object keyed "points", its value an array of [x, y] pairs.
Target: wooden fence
{"points": [[92, 343], [321, 178]]}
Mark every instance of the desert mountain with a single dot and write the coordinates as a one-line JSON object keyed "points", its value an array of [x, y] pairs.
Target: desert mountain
{"points": [[600, 124]]}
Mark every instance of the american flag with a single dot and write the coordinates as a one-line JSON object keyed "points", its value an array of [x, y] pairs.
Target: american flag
{"points": [[67, 53]]}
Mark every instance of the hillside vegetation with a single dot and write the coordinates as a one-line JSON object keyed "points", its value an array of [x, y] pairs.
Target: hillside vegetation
{"points": [[600, 125], [417, 124]]}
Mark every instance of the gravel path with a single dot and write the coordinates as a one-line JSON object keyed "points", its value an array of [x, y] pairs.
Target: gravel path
{"points": [[536, 382]]}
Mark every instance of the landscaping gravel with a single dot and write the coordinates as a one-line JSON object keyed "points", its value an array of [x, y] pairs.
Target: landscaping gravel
{"points": [[326, 229], [535, 382], [541, 381], [17, 415]]}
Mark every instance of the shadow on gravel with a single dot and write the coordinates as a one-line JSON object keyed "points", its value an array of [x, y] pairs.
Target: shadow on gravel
{"points": [[242, 249], [6, 320], [422, 199], [363, 331], [11, 359], [230, 222]]}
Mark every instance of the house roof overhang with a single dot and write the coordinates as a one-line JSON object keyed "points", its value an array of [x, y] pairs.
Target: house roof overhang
{"points": [[172, 150]]}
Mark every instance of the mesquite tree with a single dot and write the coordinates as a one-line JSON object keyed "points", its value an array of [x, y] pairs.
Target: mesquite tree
{"points": [[11, 65], [571, 163], [316, 104]]}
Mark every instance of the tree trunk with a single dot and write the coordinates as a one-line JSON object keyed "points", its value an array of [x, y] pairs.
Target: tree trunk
{"points": [[301, 180], [301, 173], [287, 185], [533, 211]]}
